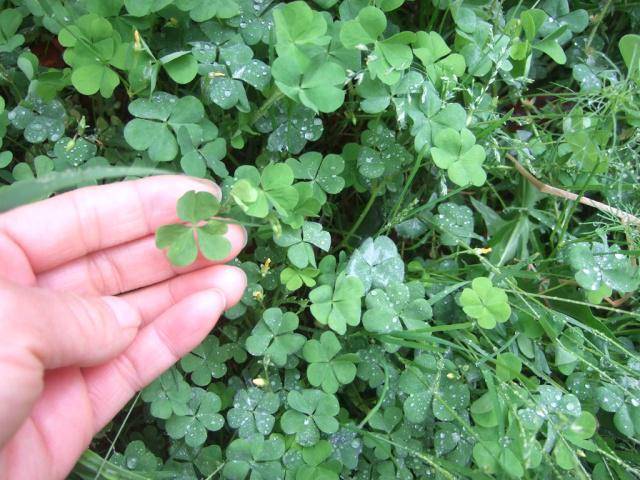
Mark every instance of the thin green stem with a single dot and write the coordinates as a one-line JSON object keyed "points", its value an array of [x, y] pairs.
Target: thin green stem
{"points": [[363, 215]]}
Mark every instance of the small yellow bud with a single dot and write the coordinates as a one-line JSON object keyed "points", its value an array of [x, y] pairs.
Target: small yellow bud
{"points": [[259, 382], [265, 267], [137, 41]]}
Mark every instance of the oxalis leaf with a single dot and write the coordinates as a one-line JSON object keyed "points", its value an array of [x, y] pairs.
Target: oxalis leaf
{"points": [[376, 263], [197, 209], [339, 305], [487, 304]]}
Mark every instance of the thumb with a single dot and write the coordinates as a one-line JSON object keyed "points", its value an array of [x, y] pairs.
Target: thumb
{"points": [[63, 329]]}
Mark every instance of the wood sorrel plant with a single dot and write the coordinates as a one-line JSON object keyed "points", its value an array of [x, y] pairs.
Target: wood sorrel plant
{"points": [[440, 198]]}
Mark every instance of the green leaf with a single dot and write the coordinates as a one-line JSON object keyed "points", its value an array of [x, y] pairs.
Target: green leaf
{"points": [[486, 303], [90, 79], [273, 337], [318, 86], [508, 366], [182, 67], [339, 306], [325, 369], [194, 207], [179, 242], [630, 50]]}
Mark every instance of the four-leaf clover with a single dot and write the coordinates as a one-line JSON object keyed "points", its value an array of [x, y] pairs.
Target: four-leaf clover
{"points": [[197, 209], [486, 303]]}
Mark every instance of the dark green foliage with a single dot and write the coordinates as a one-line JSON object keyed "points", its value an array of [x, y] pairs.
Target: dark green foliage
{"points": [[415, 308]]}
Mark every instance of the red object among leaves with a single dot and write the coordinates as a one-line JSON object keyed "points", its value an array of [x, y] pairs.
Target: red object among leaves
{"points": [[49, 53]]}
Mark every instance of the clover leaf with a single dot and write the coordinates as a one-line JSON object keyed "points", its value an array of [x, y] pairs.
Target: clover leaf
{"points": [[340, 305], [380, 156], [291, 127], [323, 173], [300, 33], [73, 152], [458, 153], [256, 456], [137, 458], [430, 115], [92, 50], [159, 119], [168, 395], [327, 369], [196, 159], [224, 81], [318, 463], [317, 85], [255, 21], [565, 413], [489, 305], [436, 56], [376, 263], [141, 8], [206, 361], [376, 96], [629, 46], [597, 264], [203, 10], [10, 20], [197, 209], [627, 420], [294, 278], [41, 120], [201, 417], [274, 338], [310, 412], [253, 411], [399, 306], [42, 166], [386, 421], [456, 223], [390, 56], [299, 243], [181, 66], [257, 193]]}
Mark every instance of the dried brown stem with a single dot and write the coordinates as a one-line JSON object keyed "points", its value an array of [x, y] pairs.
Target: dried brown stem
{"points": [[558, 192]]}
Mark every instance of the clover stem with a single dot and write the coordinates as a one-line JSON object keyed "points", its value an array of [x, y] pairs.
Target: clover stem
{"points": [[383, 395], [363, 214], [275, 96]]}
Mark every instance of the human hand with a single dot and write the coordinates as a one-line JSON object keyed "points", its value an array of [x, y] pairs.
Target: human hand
{"points": [[72, 353]]}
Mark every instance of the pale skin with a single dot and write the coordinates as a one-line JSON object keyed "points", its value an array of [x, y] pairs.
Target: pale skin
{"points": [[91, 312]]}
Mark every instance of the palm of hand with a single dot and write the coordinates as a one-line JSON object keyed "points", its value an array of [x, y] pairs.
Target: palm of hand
{"points": [[72, 355]]}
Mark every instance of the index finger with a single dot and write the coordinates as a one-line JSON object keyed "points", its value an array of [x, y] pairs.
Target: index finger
{"points": [[55, 231]]}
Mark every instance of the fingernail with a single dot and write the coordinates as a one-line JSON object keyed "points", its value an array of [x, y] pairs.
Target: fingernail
{"points": [[211, 185], [245, 236], [126, 315]]}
